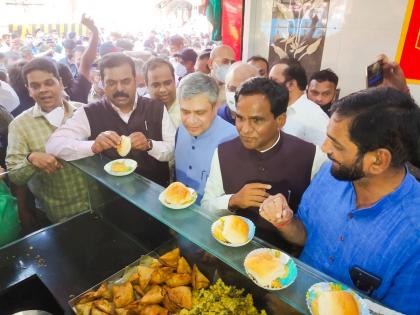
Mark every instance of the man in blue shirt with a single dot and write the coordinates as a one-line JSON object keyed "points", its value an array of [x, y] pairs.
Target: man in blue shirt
{"points": [[201, 130], [362, 210]]}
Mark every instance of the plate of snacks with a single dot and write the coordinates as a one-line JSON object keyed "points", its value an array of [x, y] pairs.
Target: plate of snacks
{"points": [[178, 196], [325, 298], [120, 167], [270, 269], [233, 230], [167, 284]]}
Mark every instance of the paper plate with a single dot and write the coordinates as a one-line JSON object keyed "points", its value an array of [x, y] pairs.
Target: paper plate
{"points": [[251, 232], [177, 207], [129, 162], [280, 282], [316, 289]]}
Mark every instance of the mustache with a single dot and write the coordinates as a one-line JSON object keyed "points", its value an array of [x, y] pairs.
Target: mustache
{"points": [[120, 94]]}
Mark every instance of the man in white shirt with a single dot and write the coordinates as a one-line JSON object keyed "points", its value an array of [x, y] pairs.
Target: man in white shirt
{"points": [[305, 119], [98, 127], [161, 85]]}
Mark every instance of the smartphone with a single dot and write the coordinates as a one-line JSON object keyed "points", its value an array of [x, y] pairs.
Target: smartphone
{"points": [[364, 280], [374, 74]]}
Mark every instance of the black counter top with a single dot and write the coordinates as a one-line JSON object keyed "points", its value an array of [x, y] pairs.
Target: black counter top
{"points": [[69, 258]]}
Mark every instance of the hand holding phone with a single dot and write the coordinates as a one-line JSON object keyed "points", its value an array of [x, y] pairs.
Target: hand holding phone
{"points": [[375, 74]]}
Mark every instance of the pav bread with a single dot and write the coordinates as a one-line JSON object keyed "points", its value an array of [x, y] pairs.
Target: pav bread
{"points": [[265, 268], [235, 230], [124, 147], [177, 193], [335, 302]]}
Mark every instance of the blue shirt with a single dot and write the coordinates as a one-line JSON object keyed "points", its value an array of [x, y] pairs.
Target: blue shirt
{"points": [[383, 239], [224, 112], [193, 154]]}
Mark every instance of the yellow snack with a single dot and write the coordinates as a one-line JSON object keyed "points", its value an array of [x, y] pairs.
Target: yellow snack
{"points": [[119, 167]]}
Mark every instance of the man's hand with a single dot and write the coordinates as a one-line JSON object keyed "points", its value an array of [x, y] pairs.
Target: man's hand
{"points": [[276, 210], [89, 23], [251, 195], [105, 140], [393, 74], [44, 161], [139, 141]]}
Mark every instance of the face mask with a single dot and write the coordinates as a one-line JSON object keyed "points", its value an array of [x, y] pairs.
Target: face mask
{"points": [[220, 72], [142, 90], [230, 100], [180, 69], [55, 117]]}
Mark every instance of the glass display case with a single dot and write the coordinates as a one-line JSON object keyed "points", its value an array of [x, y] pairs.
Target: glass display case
{"points": [[73, 256]]}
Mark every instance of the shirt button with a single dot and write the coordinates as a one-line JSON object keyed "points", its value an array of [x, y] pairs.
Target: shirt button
{"points": [[350, 216], [190, 167], [331, 258], [341, 238], [193, 147], [262, 169]]}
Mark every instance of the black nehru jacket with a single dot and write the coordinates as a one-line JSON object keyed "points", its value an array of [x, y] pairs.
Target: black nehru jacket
{"points": [[147, 115], [286, 167]]}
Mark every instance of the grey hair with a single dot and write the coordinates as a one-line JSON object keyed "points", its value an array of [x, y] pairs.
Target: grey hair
{"points": [[198, 83]]}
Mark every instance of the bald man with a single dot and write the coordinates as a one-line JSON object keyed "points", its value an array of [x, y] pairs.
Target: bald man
{"points": [[239, 72], [221, 57]]}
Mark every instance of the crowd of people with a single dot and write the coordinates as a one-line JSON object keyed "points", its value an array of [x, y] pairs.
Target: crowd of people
{"points": [[323, 178]]}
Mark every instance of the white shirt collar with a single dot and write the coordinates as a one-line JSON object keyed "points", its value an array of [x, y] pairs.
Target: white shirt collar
{"points": [[125, 116], [277, 141]]}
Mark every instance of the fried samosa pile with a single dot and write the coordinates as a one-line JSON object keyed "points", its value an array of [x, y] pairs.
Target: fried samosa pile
{"points": [[162, 287]]}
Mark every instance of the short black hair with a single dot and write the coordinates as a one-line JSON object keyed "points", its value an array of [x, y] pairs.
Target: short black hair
{"points": [[383, 118], [115, 59], [154, 63], [65, 75], [325, 75], [259, 58], [277, 94], [204, 55], [41, 64], [177, 40], [294, 71]]}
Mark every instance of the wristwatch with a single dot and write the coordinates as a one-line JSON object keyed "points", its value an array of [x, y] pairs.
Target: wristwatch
{"points": [[150, 143]]}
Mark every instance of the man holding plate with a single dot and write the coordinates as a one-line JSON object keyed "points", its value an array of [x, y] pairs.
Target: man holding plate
{"points": [[361, 211]]}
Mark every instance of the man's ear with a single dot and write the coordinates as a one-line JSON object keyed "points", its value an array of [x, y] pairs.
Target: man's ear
{"points": [[210, 63], [281, 120], [291, 85], [378, 161]]}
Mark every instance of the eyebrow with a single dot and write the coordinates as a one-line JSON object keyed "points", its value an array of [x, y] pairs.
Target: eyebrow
{"points": [[334, 140]]}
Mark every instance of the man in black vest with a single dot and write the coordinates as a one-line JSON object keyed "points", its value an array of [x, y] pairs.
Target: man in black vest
{"points": [[263, 160], [97, 127]]}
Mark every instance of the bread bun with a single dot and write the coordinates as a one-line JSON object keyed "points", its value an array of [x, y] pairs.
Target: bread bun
{"points": [[177, 193], [124, 147], [235, 230], [264, 267], [335, 302]]}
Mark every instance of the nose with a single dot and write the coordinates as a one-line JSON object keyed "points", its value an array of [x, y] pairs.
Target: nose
{"points": [[119, 86], [326, 146], [245, 127]]}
